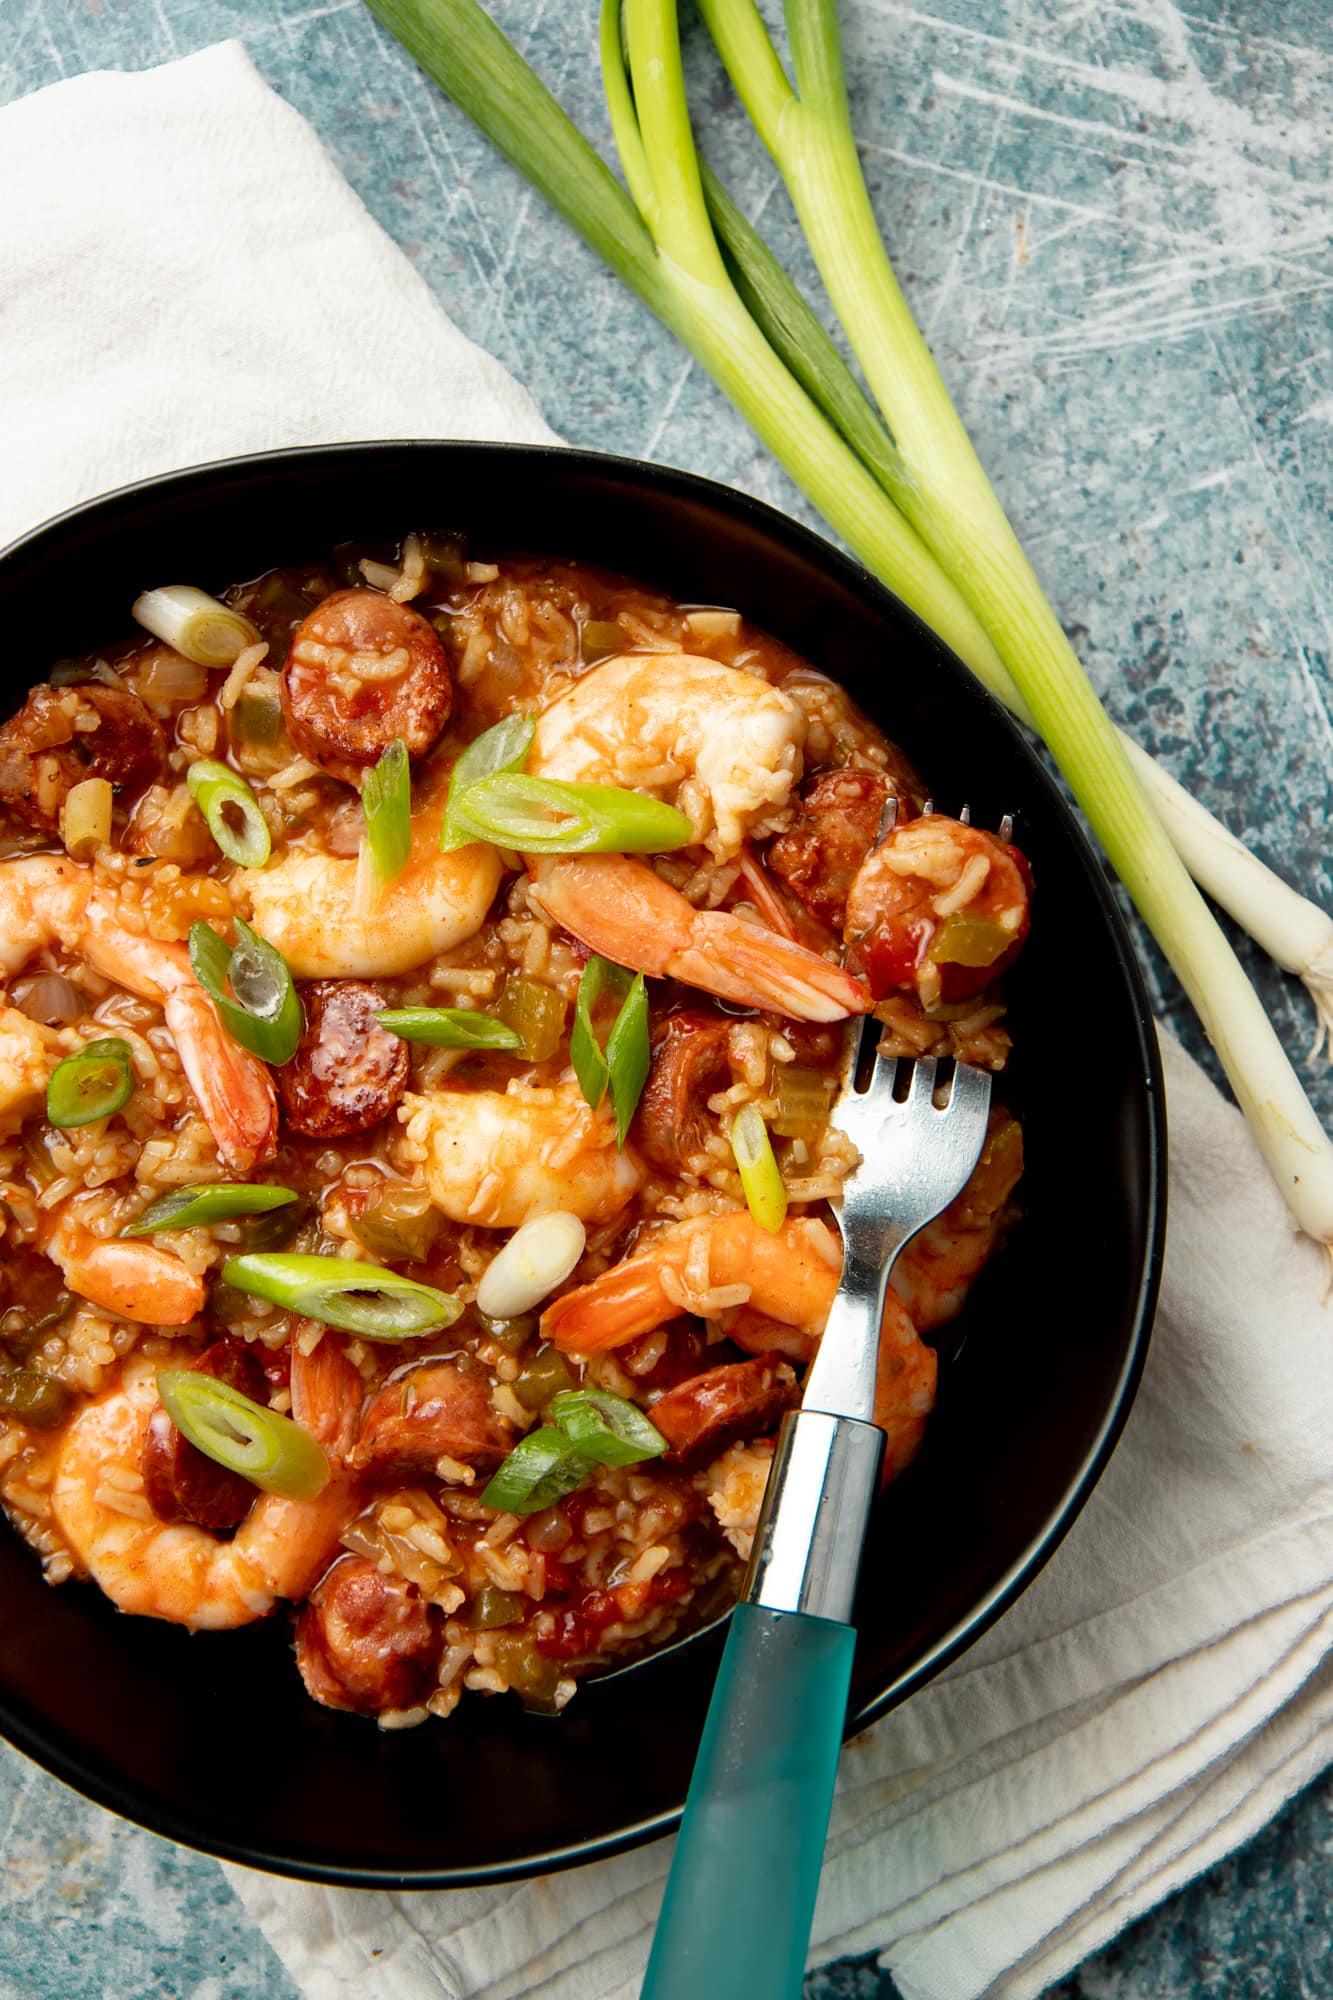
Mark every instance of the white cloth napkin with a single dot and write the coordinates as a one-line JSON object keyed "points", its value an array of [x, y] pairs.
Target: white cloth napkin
{"points": [[1163, 1686]]}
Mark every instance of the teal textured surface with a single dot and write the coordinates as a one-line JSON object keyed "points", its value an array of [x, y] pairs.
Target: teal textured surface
{"points": [[1114, 223]]}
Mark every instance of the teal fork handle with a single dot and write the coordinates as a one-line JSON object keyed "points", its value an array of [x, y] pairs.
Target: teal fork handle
{"points": [[741, 1895]]}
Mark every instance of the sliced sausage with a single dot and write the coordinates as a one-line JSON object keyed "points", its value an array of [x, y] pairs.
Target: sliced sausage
{"points": [[367, 1642], [689, 1065], [837, 825], [180, 1483], [940, 909], [348, 1073], [362, 670], [438, 1410], [743, 1399], [61, 736]]}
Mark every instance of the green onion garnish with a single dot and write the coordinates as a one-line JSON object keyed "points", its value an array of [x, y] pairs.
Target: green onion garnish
{"points": [[765, 1192], [625, 1064], [449, 1027], [231, 812], [502, 748], [91, 1085], [608, 1429], [386, 801], [546, 816], [540, 1470], [265, 1014], [216, 1201], [269, 1450], [360, 1298], [194, 624]]}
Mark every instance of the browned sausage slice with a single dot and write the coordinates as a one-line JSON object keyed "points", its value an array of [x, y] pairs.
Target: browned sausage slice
{"points": [[367, 1642], [348, 1073], [837, 825], [361, 671], [742, 1399], [689, 1065], [180, 1482], [62, 735], [436, 1411]]}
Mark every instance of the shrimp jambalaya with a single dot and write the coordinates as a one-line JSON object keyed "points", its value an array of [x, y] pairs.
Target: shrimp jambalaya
{"points": [[424, 987]]}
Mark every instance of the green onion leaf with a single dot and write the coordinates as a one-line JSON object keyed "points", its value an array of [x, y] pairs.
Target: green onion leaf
{"points": [[231, 812], [608, 1429], [360, 1298], [628, 1055], [91, 1085], [449, 1027], [765, 1193], [216, 1201], [265, 1016], [233, 1430], [624, 1066], [540, 1470], [386, 801], [500, 749], [546, 816]]}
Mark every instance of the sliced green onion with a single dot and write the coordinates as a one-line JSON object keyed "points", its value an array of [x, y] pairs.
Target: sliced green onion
{"points": [[449, 1027], [216, 1201], [233, 1430], [546, 816], [386, 801], [265, 1016], [624, 1066], [195, 624], [628, 1055], [360, 1298], [540, 1470], [608, 1429], [90, 1085], [765, 1192], [502, 748], [231, 812]]}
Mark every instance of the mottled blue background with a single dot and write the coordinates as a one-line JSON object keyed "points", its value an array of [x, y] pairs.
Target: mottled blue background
{"points": [[1113, 220]]}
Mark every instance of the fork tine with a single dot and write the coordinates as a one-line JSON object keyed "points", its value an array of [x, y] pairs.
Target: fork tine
{"points": [[971, 1090], [922, 1088]]}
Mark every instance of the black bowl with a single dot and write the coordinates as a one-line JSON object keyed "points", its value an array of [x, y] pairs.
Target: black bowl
{"points": [[212, 1739]]}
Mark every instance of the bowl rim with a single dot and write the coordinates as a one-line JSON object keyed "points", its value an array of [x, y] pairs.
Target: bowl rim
{"points": [[48, 1748]]}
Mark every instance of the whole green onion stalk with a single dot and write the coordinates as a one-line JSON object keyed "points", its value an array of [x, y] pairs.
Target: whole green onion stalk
{"points": [[965, 575]]}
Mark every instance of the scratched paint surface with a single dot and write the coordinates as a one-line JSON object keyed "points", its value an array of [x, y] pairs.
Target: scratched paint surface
{"points": [[1113, 221]]}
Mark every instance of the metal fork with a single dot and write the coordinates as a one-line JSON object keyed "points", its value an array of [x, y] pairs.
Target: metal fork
{"points": [[741, 1895]]}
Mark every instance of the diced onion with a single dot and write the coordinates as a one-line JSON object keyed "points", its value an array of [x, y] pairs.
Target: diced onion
{"points": [[195, 624], [538, 1257], [85, 817]]}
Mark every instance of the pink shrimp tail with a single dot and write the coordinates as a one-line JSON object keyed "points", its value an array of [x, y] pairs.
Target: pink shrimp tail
{"points": [[138, 1281], [619, 907], [234, 1089]]}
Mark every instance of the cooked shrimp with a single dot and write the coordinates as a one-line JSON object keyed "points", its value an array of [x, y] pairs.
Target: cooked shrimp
{"points": [[183, 1573], [938, 909], [936, 1270], [620, 908], [132, 1279], [703, 1266], [497, 1157], [310, 906], [715, 1263], [722, 745], [725, 747], [362, 670], [46, 900], [28, 1054]]}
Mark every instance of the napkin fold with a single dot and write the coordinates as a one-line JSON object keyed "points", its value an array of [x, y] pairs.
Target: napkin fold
{"points": [[189, 276]]}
